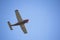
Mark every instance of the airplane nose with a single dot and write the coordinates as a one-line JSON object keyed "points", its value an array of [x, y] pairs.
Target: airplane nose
{"points": [[27, 20]]}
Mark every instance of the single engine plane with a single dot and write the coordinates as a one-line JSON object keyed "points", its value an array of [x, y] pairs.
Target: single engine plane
{"points": [[20, 22]]}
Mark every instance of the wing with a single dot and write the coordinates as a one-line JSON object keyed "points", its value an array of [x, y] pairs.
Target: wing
{"points": [[18, 16], [23, 28]]}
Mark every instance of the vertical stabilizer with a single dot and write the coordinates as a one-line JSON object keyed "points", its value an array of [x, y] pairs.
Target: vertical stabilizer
{"points": [[10, 25]]}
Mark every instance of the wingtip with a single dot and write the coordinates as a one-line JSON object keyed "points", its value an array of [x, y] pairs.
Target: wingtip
{"points": [[16, 10], [25, 32]]}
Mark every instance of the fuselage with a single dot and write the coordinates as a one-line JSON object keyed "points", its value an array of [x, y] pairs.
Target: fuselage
{"points": [[23, 22], [19, 23]]}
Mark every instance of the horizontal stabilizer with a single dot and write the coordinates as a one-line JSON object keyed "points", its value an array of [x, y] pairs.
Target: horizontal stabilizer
{"points": [[10, 26]]}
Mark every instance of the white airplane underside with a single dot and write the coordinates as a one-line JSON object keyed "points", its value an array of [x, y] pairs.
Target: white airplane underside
{"points": [[20, 22]]}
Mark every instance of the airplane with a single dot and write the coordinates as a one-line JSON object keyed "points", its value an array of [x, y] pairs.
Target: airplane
{"points": [[20, 22]]}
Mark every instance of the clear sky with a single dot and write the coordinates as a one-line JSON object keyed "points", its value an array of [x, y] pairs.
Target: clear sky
{"points": [[43, 15]]}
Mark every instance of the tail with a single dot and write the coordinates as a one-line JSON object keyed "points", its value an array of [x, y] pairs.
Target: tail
{"points": [[10, 25]]}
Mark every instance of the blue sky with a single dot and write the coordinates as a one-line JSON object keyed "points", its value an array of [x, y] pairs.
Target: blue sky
{"points": [[43, 15]]}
